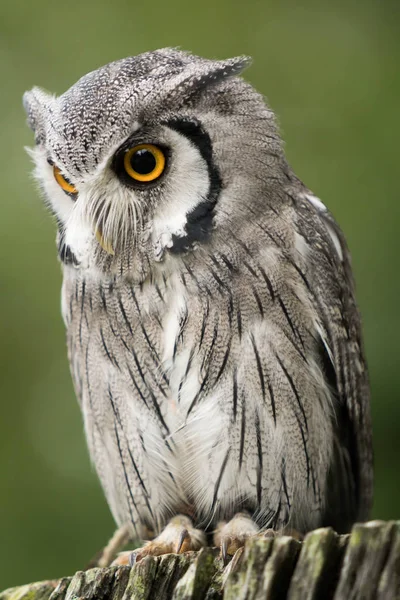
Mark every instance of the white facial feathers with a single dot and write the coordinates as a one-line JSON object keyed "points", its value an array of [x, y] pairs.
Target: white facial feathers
{"points": [[106, 203], [188, 184]]}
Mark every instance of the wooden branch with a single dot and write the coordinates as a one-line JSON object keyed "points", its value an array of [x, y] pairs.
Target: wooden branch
{"points": [[362, 566]]}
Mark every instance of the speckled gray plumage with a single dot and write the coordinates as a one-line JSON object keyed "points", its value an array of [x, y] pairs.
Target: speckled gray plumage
{"points": [[217, 354]]}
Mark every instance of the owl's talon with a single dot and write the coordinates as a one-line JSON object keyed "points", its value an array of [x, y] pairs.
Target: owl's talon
{"points": [[272, 533], [183, 537], [225, 543], [233, 535], [177, 537], [268, 533], [123, 559]]}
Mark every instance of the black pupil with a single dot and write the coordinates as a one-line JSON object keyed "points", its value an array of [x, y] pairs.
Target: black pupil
{"points": [[143, 161]]}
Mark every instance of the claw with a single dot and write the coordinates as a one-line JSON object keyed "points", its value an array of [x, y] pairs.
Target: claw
{"points": [[269, 533], [132, 559], [225, 543], [232, 535], [178, 536], [183, 536]]}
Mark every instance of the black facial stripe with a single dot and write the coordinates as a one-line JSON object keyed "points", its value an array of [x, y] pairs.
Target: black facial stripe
{"points": [[200, 219], [64, 252], [193, 130]]}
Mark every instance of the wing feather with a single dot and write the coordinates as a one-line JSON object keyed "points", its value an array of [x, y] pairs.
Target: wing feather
{"points": [[341, 353]]}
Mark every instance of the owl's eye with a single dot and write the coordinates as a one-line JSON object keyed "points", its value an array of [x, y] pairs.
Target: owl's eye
{"points": [[144, 162], [62, 182]]}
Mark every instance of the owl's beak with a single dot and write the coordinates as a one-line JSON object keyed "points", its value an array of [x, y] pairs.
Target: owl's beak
{"points": [[104, 243]]}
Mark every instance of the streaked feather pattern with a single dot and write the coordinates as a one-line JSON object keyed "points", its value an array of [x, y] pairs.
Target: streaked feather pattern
{"points": [[217, 354]]}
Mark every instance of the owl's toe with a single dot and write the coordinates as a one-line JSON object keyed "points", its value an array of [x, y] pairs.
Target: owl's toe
{"points": [[122, 559], [177, 537], [232, 535], [273, 533]]}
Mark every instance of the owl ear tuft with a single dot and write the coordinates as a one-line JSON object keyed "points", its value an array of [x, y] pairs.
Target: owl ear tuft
{"points": [[232, 66], [35, 103], [212, 72], [196, 75]]}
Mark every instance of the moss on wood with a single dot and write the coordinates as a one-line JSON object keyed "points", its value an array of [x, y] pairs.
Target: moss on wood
{"points": [[362, 566]]}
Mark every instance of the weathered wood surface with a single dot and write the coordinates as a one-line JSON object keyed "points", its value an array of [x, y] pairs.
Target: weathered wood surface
{"points": [[362, 566]]}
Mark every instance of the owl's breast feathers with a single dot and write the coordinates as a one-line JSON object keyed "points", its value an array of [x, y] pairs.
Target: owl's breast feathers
{"points": [[232, 380]]}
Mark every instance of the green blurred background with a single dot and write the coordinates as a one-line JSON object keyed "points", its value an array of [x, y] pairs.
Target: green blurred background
{"points": [[331, 72]]}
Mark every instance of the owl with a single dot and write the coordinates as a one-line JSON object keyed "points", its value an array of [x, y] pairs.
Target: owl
{"points": [[213, 334]]}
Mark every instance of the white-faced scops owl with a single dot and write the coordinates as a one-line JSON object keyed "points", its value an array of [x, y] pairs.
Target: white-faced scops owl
{"points": [[213, 335]]}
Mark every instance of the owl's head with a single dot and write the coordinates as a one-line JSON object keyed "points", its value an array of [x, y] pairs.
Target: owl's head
{"points": [[150, 157]]}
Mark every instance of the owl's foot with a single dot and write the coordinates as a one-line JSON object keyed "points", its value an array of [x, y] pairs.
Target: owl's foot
{"points": [[232, 535], [273, 533], [177, 537]]}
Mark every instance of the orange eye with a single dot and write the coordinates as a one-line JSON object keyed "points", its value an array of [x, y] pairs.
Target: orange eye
{"points": [[144, 162], [63, 183]]}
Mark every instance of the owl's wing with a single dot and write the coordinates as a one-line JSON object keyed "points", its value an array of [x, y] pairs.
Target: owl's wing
{"points": [[328, 276]]}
